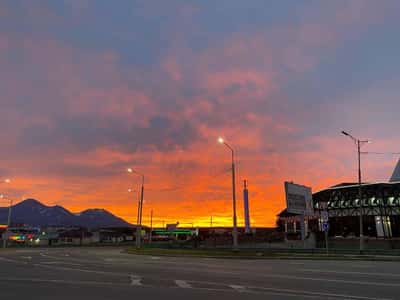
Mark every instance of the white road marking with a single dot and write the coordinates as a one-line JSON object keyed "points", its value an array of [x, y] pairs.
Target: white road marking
{"points": [[109, 259], [155, 257], [289, 292], [26, 257], [25, 251], [62, 281], [372, 283], [363, 266], [13, 261], [80, 270], [135, 280], [183, 284], [351, 272], [60, 263], [239, 288], [304, 292]]}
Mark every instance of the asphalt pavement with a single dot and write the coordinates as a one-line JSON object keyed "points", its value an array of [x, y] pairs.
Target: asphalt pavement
{"points": [[109, 273]]}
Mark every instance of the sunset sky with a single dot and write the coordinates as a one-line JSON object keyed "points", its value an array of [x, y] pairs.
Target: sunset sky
{"points": [[90, 87]]}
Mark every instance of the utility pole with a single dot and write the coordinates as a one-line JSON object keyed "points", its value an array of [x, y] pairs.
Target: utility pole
{"points": [[360, 197], [246, 208], [359, 143], [138, 207], [140, 210], [139, 228], [235, 231], [151, 226]]}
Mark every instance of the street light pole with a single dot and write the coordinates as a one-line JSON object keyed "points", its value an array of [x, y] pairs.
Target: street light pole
{"points": [[151, 227], [235, 231], [139, 226], [138, 205], [360, 197], [359, 143]]}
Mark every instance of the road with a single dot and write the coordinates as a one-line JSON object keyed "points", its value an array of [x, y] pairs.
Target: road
{"points": [[107, 273]]}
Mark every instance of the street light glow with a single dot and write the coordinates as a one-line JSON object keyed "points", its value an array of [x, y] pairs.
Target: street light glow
{"points": [[221, 140], [7, 180], [130, 170]]}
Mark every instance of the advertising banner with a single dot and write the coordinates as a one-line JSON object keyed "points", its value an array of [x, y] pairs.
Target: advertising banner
{"points": [[298, 199]]}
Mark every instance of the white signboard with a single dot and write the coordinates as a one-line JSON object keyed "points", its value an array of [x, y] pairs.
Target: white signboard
{"points": [[298, 199]]}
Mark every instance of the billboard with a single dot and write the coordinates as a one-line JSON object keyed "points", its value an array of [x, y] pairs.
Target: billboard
{"points": [[298, 199], [171, 227]]}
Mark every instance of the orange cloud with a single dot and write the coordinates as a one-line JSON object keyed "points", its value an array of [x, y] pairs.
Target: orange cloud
{"points": [[83, 116]]}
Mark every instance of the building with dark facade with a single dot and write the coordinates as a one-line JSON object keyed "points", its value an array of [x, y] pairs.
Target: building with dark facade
{"points": [[380, 208], [380, 204]]}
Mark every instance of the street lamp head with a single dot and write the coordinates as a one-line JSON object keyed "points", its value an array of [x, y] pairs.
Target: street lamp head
{"points": [[130, 190], [221, 140], [345, 133], [1, 196], [129, 170], [7, 180]]}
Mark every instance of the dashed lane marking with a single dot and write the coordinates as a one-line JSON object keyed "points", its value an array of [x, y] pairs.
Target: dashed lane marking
{"points": [[80, 270], [239, 288], [135, 280], [60, 263], [183, 284], [62, 281], [341, 281], [291, 292], [316, 294], [13, 261], [351, 272]]}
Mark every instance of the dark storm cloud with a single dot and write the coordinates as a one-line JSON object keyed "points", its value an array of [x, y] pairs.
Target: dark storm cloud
{"points": [[79, 170], [89, 133]]}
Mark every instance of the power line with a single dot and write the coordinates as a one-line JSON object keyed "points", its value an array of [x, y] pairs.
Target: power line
{"points": [[382, 153]]}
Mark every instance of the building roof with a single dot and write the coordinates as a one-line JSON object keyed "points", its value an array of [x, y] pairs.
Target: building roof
{"points": [[285, 214], [354, 185], [396, 173]]}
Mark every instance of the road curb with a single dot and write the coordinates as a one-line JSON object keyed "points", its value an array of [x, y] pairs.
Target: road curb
{"points": [[273, 257]]}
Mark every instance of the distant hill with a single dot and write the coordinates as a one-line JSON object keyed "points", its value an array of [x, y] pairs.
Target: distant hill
{"points": [[34, 213]]}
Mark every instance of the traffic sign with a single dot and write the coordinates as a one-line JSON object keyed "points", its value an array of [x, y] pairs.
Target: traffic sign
{"points": [[325, 226], [324, 216]]}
